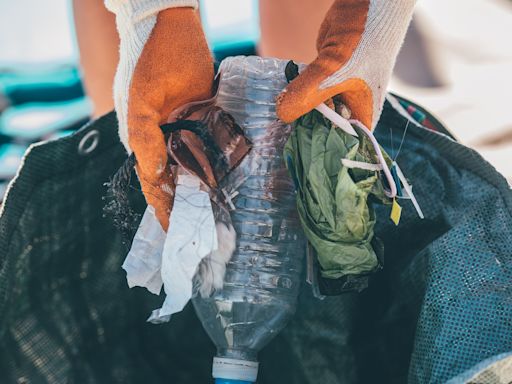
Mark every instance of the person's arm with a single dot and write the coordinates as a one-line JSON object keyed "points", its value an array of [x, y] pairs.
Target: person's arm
{"points": [[98, 42], [357, 46], [164, 63]]}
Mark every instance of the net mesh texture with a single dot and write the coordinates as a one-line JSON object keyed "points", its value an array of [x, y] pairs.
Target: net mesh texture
{"points": [[440, 311]]}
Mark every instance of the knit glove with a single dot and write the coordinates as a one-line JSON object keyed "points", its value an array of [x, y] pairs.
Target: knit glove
{"points": [[164, 63], [357, 47]]}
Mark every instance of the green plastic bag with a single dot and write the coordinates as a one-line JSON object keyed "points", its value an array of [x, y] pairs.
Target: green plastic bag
{"points": [[335, 202]]}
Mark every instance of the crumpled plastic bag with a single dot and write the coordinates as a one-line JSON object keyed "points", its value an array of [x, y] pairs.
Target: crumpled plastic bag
{"points": [[333, 200], [205, 144]]}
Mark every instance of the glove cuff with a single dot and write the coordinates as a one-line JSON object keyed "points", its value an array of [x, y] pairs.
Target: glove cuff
{"points": [[135, 20], [136, 10], [388, 22], [375, 56]]}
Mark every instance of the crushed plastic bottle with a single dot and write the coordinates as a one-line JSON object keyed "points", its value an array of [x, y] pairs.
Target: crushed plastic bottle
{"points": [[263, 277]]}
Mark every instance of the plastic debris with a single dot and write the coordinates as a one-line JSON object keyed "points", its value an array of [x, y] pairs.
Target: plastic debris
{"points": [[191, 236]]}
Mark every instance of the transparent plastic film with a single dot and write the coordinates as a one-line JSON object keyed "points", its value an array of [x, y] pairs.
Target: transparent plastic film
{"points": [[263, 277]]}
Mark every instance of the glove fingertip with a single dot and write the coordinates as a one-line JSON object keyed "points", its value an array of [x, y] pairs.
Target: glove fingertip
{"points": [[289, 106], [302, 94], [164, 221]]}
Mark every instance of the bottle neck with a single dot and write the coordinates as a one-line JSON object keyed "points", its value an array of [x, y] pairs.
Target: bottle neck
{"points": [[235, 369], [239, 354]]}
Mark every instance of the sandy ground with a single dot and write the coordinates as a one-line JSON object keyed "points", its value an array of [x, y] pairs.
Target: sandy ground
{"points": [[464, 55]]}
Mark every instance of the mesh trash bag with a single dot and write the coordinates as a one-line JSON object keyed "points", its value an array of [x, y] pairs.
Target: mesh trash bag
{"points": [[440, 311]]}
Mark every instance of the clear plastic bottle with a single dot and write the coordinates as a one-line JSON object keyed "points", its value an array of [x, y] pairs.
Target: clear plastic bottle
{"points": [[263, 278]]}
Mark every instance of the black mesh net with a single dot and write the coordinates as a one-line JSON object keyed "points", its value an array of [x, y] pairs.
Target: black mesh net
{"points": [[440, 309]]}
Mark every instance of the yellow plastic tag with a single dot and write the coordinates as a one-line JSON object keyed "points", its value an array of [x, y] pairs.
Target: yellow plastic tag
{"points": [[396, 212]]}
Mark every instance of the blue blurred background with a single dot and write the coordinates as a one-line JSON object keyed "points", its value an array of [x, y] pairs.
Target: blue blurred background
{"points": [[41, 96], [456, 61]]}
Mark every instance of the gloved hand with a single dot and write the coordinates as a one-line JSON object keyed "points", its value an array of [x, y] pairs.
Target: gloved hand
{"points": [[357, 47], [164, 63]]}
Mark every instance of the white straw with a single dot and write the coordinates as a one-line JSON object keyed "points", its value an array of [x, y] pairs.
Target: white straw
{"points": [[346, 126], [408, 188]]}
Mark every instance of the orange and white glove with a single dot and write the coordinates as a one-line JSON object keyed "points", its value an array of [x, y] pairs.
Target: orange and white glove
{"points": [[164, 63], [357, 45]]}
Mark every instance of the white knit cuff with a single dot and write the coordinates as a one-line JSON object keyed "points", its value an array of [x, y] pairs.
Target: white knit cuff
{"points": [[374, 58], [136, 10]]}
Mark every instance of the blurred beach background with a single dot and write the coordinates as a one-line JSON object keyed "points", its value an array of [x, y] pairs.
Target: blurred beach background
{"points": [[456, 62]]}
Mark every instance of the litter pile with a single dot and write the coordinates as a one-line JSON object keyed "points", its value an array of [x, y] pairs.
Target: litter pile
{"points": [[438, 312], [204, 145]]}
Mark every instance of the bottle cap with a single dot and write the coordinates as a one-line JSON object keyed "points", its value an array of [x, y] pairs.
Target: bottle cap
{"points": [[228, 381], [234, 369]]}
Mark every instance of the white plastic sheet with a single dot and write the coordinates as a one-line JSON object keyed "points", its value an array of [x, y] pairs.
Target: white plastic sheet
{"points": [[142, 265], [191, 236]]}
